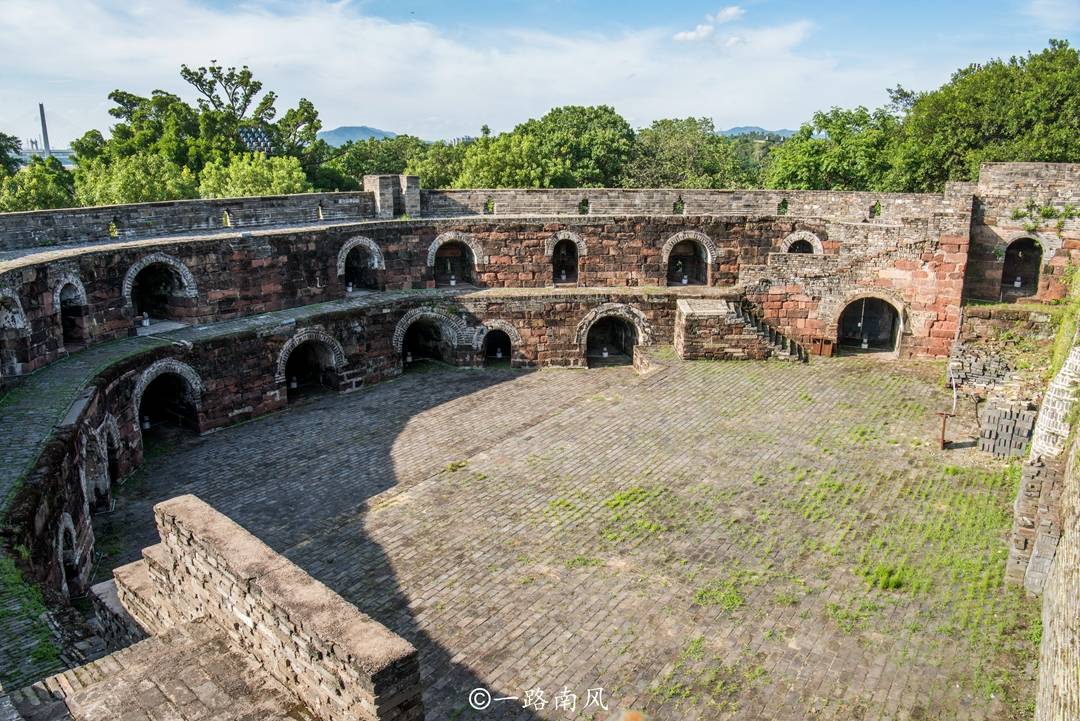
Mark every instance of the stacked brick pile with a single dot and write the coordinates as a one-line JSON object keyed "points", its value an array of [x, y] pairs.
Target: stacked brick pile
{"points": [[1036, 523], [974, 367], [1005, 428]]}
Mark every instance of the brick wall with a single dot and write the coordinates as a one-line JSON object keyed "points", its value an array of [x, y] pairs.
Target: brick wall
{"points": [[341, 663], [1058, 695], [106, 224], [711, 330]]}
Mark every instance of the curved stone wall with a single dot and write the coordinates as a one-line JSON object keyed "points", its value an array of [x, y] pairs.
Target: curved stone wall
{"points": [[249, 288]]}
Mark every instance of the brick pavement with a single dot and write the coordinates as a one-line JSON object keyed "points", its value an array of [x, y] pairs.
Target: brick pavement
{"points": [[695, 542]]}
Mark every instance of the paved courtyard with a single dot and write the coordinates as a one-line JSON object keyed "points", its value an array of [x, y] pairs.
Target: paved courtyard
{"points": [[718, 540]]}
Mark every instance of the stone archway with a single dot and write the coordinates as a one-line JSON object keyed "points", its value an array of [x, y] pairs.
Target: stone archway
{"points": [[154, 282], [798, 241], [512, 339], [14, 334], [870, 322], [555, 238], [358, 262], [1021, 268], [70, 304], [308, 335], [69, 560], [454, 328], [190, 389], [642, 331], [688, 255], [454, 236]]}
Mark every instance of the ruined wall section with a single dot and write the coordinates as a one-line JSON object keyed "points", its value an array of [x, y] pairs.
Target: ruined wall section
{"points": [[916, 265], [1058, 694], [339, 662], [1005, 188]]}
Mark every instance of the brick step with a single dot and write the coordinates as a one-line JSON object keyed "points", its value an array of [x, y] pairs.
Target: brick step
{"points": [[782, 348], [45, 700]]}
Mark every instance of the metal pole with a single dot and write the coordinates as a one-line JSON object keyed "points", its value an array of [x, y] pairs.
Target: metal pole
{"points": [[44, 129]]}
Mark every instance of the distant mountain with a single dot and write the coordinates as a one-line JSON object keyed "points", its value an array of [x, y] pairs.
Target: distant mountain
{"points": [[342, 135], [752, 130]]}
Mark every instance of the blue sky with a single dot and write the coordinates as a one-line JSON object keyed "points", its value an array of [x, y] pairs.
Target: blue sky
{"points": [[438, 68]]}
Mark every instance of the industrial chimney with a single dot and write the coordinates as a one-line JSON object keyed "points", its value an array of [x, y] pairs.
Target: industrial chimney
{"points": [[44, 129]]}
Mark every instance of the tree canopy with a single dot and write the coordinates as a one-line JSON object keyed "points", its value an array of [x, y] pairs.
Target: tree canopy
{"points": [[683, 153], [162, 147], [140, 178], [253, 174], [40, 185], [9, 154], [1021, 109]]}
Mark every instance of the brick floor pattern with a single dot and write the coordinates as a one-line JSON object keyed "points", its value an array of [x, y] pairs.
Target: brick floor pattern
{"points": [[556, 528]]}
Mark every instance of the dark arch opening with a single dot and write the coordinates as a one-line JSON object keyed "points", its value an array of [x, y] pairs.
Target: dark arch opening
{"points": [[611, 341], [156, 292], [112, 461], [564, 262], [69, 562], [1020, 276], [869, 324], [309, 370], [453, 264], [424, 341], [497, 348], [72, 316], [360, 271], [688, 264], [167, 410], [801, 246]]}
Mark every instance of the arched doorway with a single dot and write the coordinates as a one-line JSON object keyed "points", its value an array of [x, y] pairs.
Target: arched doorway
{"points": [[688, 264], [167, 410], [425, 341], [157, 291], [14, 335], [564, 262], [1023, 260], [309, 370], [610, 341], [453, 264], [69, 561], [869, 325], [497, 349], [801, 246], [72, 316], [361, 269]]}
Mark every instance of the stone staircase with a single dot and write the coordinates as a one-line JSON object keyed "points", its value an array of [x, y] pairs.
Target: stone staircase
{"points": [[190, 671], [783, 347]]}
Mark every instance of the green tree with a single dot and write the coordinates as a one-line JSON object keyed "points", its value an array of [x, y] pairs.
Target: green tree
{"points": [[161, 124], [374, 157], [230, 91], [588, 144], [250, 174], [1023, 109], [42, 184], [140, 178], [9, 154], [510, 160], [571, 146], [684, 153], [838, 150], [439, 165]]}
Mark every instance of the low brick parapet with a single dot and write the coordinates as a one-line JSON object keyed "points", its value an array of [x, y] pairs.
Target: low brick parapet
{"points": [[336, 660]]}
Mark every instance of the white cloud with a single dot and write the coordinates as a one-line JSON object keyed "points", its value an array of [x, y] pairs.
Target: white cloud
{"points": [[1058, 15], [728, 14], [408, 76], [701, 32]]}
